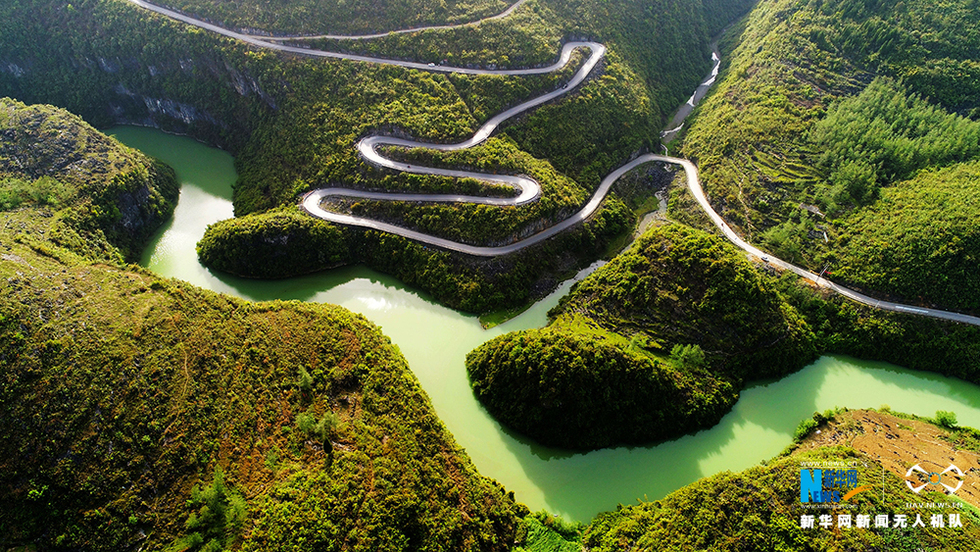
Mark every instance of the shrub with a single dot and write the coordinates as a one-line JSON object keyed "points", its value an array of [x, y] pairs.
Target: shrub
{"points": [[317, 429], [567, 529], [688, 356], [325, 426], [218, 520], [946, 419], [305, 382], [804, 429], [305, 422]]}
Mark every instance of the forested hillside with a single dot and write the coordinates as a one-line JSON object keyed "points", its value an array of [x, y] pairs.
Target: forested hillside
{"points": [[296, 17], [919, 241], [831, 110], [292, 122], [141, 412]]}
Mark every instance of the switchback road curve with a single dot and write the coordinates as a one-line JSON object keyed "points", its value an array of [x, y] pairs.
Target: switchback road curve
{"points": [[529, 189]]}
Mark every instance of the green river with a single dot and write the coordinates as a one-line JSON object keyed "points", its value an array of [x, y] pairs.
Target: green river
{"points": [[435, 341]]}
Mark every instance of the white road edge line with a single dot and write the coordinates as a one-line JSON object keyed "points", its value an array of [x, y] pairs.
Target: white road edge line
{"points": [[530, 190]]}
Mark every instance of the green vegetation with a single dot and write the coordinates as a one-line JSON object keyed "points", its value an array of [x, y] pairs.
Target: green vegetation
{"points": [[680, 286], [946, 419], [884, 135], [834, 109], [123, 393], [919, 241], [528, 37], [688, 356], [320, 429], [483, 224], [804, 430], [916, 342], [292, 122], [112, 62], [460, 281], [600, 374], [574, 391], [106, 191], [218, 522], [676, 291], [543, 532], [44, 191], [141, 412], [807, 426], [759, 509], [274, 245], [340, 16]]}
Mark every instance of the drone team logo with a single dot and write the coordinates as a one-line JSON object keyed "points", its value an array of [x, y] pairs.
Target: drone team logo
{"points": [[924, 478]]}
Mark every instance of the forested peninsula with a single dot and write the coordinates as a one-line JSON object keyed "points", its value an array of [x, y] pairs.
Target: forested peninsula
{"points": [[659, 342], [654, 344]]}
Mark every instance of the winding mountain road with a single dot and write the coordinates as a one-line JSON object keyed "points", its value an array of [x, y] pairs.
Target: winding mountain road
{"points": [[694, 184], [500, 15], [270, 43], [530, 190]]}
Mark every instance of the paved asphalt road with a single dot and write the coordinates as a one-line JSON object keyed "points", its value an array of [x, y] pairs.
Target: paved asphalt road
{"points": [[530, 190], [500, 15]]}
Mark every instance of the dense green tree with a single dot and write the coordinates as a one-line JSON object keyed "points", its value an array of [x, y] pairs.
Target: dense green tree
{"points": [[654, 344]]}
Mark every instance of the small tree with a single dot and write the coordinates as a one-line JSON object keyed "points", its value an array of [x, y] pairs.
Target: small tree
{"points": [[326, 425], [688, 356], [305, 422], [317, 429], [305, 382], [219, 517]]}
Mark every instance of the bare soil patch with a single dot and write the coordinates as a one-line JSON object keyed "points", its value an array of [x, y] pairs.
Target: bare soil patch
{"points": [[898, 444]]}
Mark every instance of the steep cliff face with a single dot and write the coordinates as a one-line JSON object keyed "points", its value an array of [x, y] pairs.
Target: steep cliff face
{"points": [[113, 63]]}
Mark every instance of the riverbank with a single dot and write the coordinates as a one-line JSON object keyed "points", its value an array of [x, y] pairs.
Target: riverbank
{"points": [[435, 340]]}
